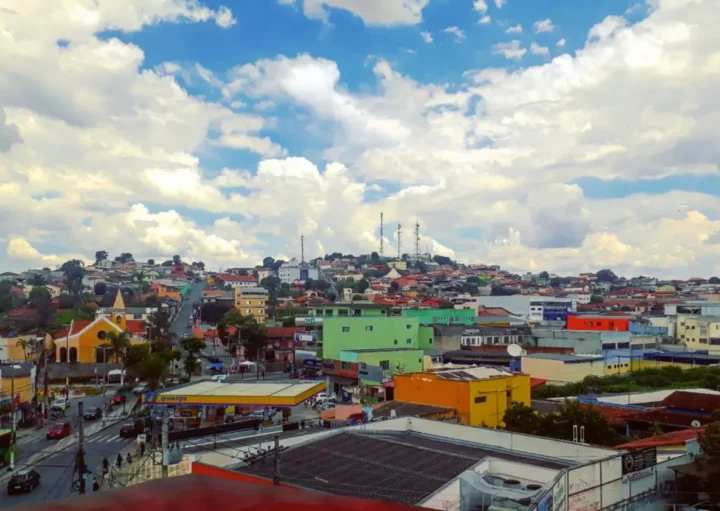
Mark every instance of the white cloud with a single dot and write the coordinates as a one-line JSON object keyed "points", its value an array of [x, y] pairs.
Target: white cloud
{"points": [[485, 20], [480, 6], [560, 43], [511, 50], [500, 3], [517, 29], [459, 34], [111, 155], [383, 13], [545, 25], [536, 49], [427, 37]]}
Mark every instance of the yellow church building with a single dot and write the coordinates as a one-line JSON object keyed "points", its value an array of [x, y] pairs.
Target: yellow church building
{"points": [[87, 341]]}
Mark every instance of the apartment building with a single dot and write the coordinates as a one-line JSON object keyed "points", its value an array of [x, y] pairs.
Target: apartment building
{"points": [[699, 332], [252, 301]]}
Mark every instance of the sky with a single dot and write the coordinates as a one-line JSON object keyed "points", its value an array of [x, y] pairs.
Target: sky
{"points": [[538, 135]]}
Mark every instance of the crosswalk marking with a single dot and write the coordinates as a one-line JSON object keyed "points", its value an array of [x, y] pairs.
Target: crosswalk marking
{"points": [[107, 438]]}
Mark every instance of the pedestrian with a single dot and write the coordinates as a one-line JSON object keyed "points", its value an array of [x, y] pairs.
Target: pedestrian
{"points": [[142, 449], [96, 485], [129, 459], [118, 461]]}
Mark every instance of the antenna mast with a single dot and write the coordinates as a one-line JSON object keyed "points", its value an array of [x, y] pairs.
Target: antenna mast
{"points": [[399, 239], [302, 249], [417, 239], [382, 239]]}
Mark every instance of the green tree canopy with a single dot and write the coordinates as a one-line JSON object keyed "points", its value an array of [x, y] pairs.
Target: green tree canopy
{"points": [[41, 300], [101, 255], [193, 345]]}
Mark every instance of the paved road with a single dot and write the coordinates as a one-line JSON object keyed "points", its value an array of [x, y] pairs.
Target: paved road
{"points": [[56, 471]]}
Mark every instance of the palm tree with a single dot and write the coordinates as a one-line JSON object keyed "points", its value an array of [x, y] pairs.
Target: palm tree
{"points": [[139, 277], [24, 344], [120, 342]]}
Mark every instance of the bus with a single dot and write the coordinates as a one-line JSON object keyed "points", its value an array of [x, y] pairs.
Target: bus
{"points": [[8, 446]]}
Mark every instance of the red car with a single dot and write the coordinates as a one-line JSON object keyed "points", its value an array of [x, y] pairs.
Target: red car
{"points": [[59, 430], [117, 399]]}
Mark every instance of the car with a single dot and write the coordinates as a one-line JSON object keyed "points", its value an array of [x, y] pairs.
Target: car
{"points": [[219, 377], [327, 406], [23, 481], [118, 399], [140, 389], [129, 430], [93, 414], [59, 430], [60, 404]]}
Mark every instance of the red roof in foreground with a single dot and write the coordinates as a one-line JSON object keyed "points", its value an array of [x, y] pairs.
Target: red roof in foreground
{"points": [[212, 493], [229, 277], [695, 401], [673, 438], [136, 326]]}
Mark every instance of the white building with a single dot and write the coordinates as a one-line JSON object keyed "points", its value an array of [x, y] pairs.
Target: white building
{"points": [[264, 273], [533, 307], [235, 281], [292, 271], [581, 297]]}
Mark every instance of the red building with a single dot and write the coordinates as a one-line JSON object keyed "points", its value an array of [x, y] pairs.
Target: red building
{"points": [[599, 323]]}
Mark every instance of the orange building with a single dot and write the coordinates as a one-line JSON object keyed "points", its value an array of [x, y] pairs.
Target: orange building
{"points": [[599, 323], [479, 395], [163, 291]]}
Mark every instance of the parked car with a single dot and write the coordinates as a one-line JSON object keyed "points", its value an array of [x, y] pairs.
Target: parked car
{"points": [[118, 399], [327, 406], [130, 430], [93, 414], [140, 389], [219, 377], [23, 481], [59, 430]]}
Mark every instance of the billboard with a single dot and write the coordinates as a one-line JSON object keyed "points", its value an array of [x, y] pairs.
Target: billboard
{"points": [[639, 460]]}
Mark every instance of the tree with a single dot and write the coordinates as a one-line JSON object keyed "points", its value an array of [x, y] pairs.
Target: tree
{"points": [[361, 285], [446, 305], [249, 333], [520, 418], [394, 286], [709, 441], [24, 344], [120, 343], [443, 260], [9, 300], [153, 370], [714, 280], [100, 288], [193, 345], [37, 280], [167, 263], [136, 354], [375, 257], [151, 262], [544, 275], [66, 317], [191, 364], [74, 271], [41, 301], [100, 255], [125, 257], [556, 282], [606, 276], [177, 261], [268, 262], [596, 299]]}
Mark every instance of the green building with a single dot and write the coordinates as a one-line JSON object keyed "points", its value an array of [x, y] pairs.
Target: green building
{"points": [[430, 316], [373, 333], [351, 309]]}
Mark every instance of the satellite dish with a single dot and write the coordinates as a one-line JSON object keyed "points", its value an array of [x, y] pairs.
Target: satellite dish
{"points": [[695, 424], [514, 350]]}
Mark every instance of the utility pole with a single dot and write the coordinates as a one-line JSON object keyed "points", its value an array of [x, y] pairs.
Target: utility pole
{"points": [[81, 468], [12, 411], [165, 452], [417, 240], [382, 239], [399, 240], [302, 249], [46, 389], [276, 461]]}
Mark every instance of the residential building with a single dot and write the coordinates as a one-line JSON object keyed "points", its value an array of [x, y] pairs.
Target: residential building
{"points": [[532, 307], [264, 273], [376, 366], [479, 395], [559, 369], [596, 322], [398, 265], [19, 348], [699, 332], [252, 301], [236, 281], [494, 336], [693, 308], [441, 316], [581, 341], [23, 384], [292, 271]]}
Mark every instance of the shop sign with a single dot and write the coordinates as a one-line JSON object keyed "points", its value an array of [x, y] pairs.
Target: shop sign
{"points": [[639, 460], [313, 363]]}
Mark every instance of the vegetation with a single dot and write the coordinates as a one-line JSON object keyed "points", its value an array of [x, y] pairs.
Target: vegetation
{"points": [[193, 346], [248, 332], [8, 299], [64, 318], [520, 418], [41, 301], [151, 362], [669, 377], [74, 271], [709, 442]]}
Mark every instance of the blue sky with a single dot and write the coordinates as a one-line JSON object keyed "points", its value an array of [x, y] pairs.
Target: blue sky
{"points": [[563, 136]]}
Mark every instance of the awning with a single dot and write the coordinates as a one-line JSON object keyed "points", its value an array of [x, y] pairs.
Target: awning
{"points": [[342, 381], [692, 469]]}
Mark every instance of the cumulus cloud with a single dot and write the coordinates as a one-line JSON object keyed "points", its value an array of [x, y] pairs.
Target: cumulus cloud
{"points": [[480, 6], [517, 29], [383, 13], [455, 31], [536, 49], [485, 20], [113, 155], [427, 37], [511, 50], [560, 43], [545, 25]]}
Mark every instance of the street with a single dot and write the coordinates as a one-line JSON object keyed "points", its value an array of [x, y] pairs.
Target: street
{"points": [[57, 470]]}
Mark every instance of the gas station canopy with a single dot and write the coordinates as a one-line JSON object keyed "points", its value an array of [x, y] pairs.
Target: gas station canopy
{"points": [[277, 395]]}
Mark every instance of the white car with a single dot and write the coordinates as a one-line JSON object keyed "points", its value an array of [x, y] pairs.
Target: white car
{"points": [[219, 377], [60, 404]]}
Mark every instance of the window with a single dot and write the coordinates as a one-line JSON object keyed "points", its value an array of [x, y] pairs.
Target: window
{"points": [[408, 341], [137, 316], [395, 341], [345, 365], [118, 319], [409, 327], [369, 328], [703, 341], [385, 365], [319, 312], [101, 334], [328, 312], [346, 329], [342, 312], [480, 399], [357, 312]]}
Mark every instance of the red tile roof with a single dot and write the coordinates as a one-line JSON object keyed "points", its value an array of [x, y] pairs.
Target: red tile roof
{"points": [[229, 277], [493, 311], [536, 382], [673, 438], [613, 414], [695, 401], [283, 332], [136, 327], [667, 417], [78, 326], [22, 313]]}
